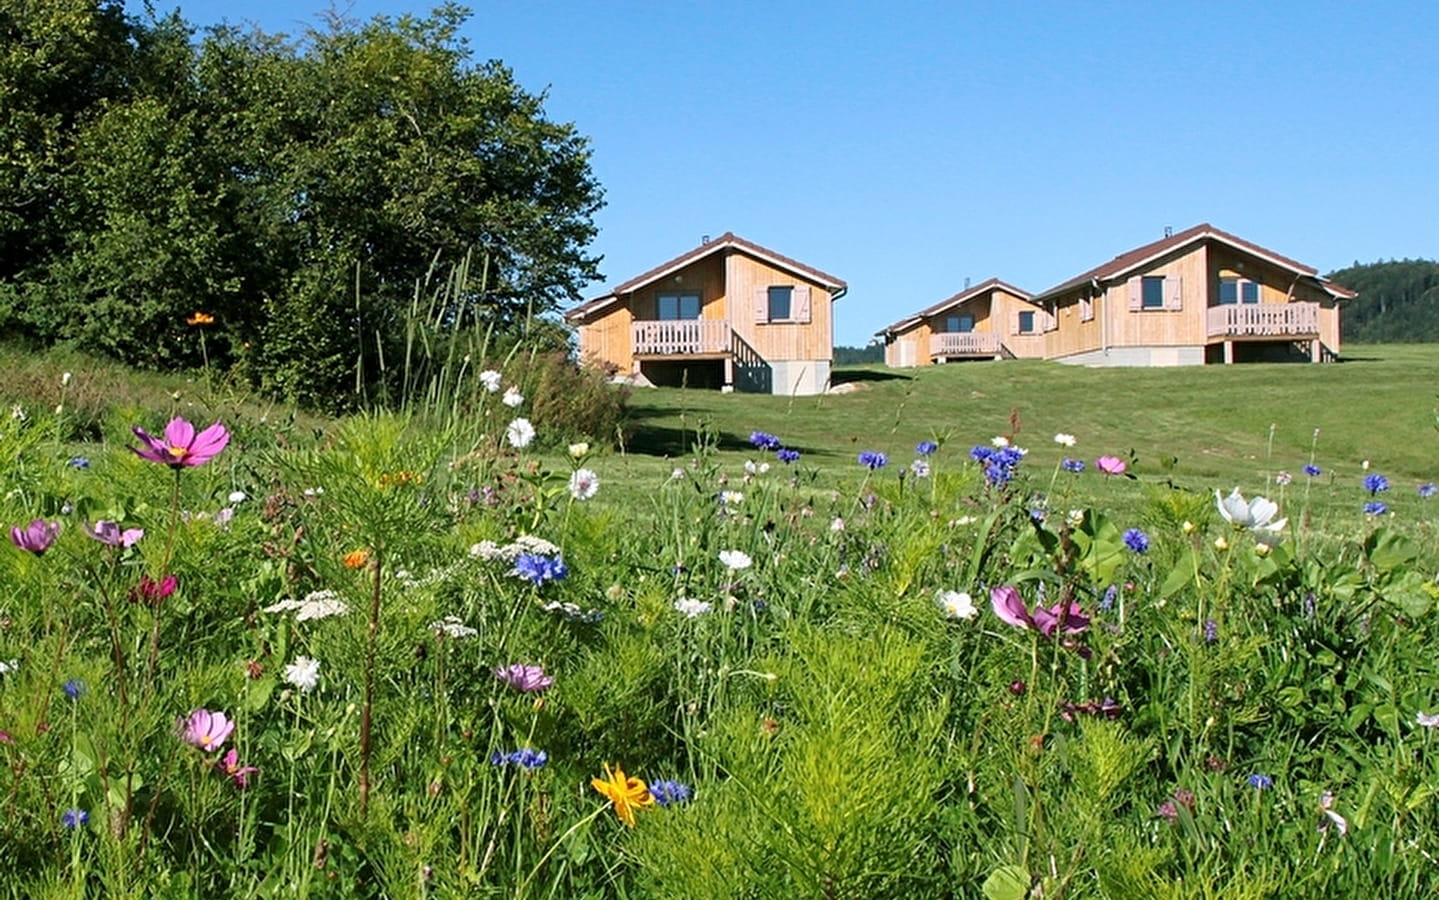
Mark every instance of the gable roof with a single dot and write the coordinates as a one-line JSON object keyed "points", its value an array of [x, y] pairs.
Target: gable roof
{"points": [[962, 297], [727, 241], [1125, 263]]}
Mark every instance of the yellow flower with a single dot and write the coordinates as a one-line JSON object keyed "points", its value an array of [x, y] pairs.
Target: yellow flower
{"points": [[200, 318], [626, 794]]}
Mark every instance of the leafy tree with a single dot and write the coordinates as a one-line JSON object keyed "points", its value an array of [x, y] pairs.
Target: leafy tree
{"points": [[1398, 301]]}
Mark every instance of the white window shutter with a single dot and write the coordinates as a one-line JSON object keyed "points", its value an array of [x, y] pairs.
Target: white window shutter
{"points": [[1051, 321], [761, 305], [1014, 321], [1136, 293], [1173, 292], [799, 303]]}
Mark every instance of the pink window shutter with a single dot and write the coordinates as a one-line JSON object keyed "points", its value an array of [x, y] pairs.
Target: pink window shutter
{"points": [[799, 305], [761, 305], [1173, 292], [1136, 293]]}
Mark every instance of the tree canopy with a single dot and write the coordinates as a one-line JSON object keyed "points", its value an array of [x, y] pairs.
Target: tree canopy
{"points": [[1398, 301], [295, 189]]}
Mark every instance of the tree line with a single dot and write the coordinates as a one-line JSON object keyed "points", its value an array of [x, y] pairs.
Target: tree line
{"points": [[1398, 301], [295, 192]]}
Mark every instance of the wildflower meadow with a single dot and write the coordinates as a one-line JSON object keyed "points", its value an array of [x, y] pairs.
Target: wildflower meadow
{"points": [[395, 657]]}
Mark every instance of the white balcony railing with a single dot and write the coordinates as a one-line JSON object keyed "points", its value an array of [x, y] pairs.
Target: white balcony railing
{"points": [[969, 343], [1239, 320], [681, 337]]}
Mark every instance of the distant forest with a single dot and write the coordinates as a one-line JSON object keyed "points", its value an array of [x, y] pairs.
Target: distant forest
{"points": [[1398, 301], [859, 356]]}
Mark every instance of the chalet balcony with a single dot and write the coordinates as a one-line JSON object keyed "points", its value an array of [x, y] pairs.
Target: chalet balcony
{"points": [[969, 343], [681, 337], [1264, 320]]}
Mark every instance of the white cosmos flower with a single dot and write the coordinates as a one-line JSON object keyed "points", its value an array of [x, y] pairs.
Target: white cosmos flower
{"points": [[491, 380], [303, 673], [512, 398], [1257, 515], [735, 559], [692, 608], [956, 604], [584, 484], [1064, 440], [519, 433], [999, 440], [1425, 719], [238, 497]]}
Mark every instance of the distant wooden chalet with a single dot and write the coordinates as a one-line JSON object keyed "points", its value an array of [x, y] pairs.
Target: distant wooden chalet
{"points": [[728, 314], [1199, 296], [992, 320]]}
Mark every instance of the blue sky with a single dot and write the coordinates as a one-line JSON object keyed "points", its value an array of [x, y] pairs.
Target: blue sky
{"points": [[906, 147]]}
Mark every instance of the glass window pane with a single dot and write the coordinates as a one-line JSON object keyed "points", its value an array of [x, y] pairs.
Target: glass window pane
{"points": [[779, 298], [668, 307], [1026, 322], [1228, 291], [690, 306], [1153, 296], [1251, 292]]}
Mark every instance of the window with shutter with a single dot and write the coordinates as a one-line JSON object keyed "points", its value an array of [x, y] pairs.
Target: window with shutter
{"points": [[1173, 293], [1151, 292], [1136, 293], [1026, 322], [799, 306]]}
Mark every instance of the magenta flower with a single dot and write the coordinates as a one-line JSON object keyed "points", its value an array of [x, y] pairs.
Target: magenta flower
{"points": [[1009, 606], [181, 446], [229, 765], [1110, 465], [525, 679], [151, 592], [107, 532], [35, 537], [205, 729]]}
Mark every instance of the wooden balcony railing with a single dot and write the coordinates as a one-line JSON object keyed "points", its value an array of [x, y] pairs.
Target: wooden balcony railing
{"points": [[1260, 319], [680, 337], [969, 343]]}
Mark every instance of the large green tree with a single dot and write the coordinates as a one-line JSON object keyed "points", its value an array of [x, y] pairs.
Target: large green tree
{"points": [[298, 190]]}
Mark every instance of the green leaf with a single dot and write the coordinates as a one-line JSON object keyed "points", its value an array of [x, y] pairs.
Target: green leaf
{"points": [[1007, 883]]}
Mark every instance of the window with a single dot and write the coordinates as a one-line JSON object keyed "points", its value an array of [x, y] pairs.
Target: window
{"points": [[959, 324], [1153, 292], [780, 303], [678, 306], [1026, 322], [1237, 290]]}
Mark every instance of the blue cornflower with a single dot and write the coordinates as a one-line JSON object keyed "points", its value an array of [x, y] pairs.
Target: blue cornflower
{"points": [[525, 757], [74, 818], [764, 440], [1427, 489], [1136, 540], [667, 791], [78, 462], [1260, 781], [1375, 483], [999, 463], [74, 688], [540, 569], [1072, 465], [1375, 508], [786, 455], [1312, 470], [873, 459], [925, 448], [1211, 631]]}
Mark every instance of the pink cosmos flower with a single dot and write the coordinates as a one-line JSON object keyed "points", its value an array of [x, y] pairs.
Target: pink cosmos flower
{"points": [[1010, 608], [1110, 465], [205, 729], [525, 679], [107, 532], [181, 446], [229, 765], [35, 537], [150, 592]]}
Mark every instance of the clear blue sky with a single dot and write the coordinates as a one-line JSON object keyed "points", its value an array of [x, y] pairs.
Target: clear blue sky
{"points": [[908, 146]]}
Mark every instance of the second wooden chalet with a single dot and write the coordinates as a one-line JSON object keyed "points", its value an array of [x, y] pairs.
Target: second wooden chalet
{"points": [[992, 320], [728, 314]]}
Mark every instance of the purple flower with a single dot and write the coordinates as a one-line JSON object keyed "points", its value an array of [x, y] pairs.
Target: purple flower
{"points": [[1260, 781], [74, 688], [873, 459], [524, 757], [540, 569], [229, 766], [787, 456], [1010, 608], [1427, 489], [78, 462], [668, 791], [1374, 483], [107, 532], [1110, 594], [1136, 540], [1375, 508], [181, 446], [523, 678], [150, 592], [1211, 631], [205, 730], [1000, 463], [1072, 465], [1110, 465], [1312, 470], [764, 440], [35, 537], [925, 448], [74, 818]]}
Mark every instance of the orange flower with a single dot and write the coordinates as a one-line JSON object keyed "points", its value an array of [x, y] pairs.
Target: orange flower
{"points": [[356, 559], [627, 794], [200, 318]]}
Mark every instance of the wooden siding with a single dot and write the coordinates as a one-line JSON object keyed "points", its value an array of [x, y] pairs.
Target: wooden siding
{"points": [[776, 341]]}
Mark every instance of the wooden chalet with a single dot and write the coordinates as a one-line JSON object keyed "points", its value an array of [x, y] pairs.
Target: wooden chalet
{"points": [[992, 320]]}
